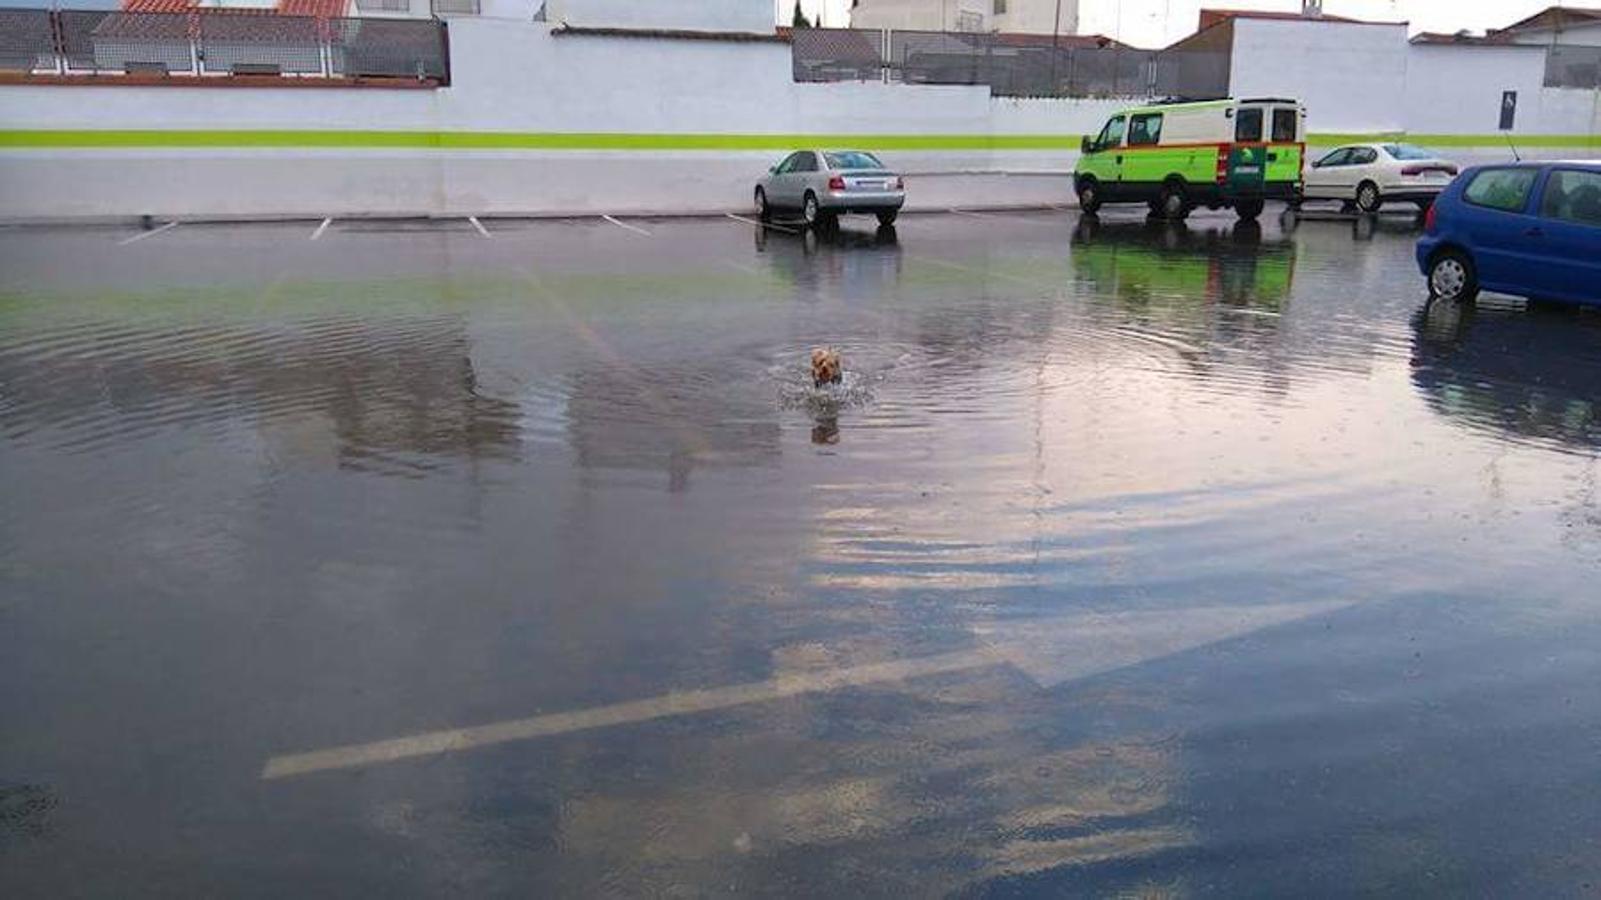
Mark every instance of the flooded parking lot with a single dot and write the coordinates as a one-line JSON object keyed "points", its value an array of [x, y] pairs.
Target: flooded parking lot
{"points": [[429, 558]]}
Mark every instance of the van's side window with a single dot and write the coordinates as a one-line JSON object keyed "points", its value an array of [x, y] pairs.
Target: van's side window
{"points": [[1112, 134], [1573, 197], [1248, 126], [1284, 125], [1503, 189], [1145, 130]]}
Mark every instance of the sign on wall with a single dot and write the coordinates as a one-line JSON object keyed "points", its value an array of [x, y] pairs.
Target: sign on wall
{"points": [[1509, 109]]}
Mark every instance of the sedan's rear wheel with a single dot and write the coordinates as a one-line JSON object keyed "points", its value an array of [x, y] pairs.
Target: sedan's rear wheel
{"points": [[1452, 278], [811, 212], [1368, 198], [887, 219]]}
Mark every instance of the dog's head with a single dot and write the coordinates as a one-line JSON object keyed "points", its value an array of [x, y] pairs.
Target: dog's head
{"points": [[826, 366]]}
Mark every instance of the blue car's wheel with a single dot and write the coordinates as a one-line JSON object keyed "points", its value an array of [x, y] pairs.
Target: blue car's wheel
{"points": [[1452, 277]]}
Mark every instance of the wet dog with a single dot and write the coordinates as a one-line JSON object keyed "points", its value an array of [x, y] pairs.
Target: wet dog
{"points": [[827, 367]]}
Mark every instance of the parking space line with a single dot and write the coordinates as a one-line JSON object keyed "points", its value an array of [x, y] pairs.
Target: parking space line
{"points": [[762, 224], [144, 234], [480, 226], [321, 228], [633, 228]]}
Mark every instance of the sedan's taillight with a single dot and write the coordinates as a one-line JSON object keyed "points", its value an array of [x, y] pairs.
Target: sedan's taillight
{"points": [[837, 183], [1413, 170]]}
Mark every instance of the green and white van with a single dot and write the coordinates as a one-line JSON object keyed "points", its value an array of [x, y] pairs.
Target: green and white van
{"points": [[1177, 156]]}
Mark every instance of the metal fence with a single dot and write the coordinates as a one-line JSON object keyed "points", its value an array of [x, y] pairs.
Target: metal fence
{"points": [[1572, 66], [1011, 65], [27, 40], [85, 42]]}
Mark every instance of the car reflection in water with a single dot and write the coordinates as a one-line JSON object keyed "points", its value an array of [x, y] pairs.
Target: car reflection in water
{"points": [[1232, 265], [852, 262], [1531, 376]]}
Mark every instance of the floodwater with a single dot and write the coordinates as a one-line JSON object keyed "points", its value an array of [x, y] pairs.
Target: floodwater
{"points": [[1172, 562]]}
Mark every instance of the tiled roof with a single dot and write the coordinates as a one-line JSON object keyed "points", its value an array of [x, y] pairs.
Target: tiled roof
{"points": [[1210, 17], [321, 9], [1555, 17]]}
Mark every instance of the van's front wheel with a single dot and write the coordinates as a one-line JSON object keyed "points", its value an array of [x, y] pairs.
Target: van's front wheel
{"points": [[1089, 197], [1249, 210]]}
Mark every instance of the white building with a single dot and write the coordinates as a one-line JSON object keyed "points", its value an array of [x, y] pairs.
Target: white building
{"points": [[1009, 16]]}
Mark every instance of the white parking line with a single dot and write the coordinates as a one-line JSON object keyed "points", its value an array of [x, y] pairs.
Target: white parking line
{"points": [[144, 234], [480, 226], [633, 228], [748, 221], [321, 228]]}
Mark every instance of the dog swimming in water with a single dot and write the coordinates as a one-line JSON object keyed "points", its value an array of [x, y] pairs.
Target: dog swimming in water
{"points": [[827, 367]]}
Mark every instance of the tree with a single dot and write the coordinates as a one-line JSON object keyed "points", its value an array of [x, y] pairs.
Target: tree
{"points": [[799, 20]]}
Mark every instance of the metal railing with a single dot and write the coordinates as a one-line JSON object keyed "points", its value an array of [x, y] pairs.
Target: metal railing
{"points": [[1011, 65], [93, 42], [456, 7]]}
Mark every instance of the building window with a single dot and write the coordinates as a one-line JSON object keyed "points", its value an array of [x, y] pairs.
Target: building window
{"points": [[1000, 7]]}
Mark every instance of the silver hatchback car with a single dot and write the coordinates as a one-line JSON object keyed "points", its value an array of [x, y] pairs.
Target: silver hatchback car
{"points": [[823, 185]]}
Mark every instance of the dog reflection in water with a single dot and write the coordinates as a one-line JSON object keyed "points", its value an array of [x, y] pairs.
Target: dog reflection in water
{"points": [[827, 367], [825, 432]]}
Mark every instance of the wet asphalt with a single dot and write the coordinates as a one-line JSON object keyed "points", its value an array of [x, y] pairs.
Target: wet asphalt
{"points": [[1164, 561]]}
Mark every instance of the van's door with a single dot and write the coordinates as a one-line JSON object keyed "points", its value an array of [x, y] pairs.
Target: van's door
{"points": [[1105, 163], [1247, 169]]}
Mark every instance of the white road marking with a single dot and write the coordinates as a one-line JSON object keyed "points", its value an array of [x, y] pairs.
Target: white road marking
{"points": [[1050, 652], [748, 221], [321, 228], [144, 234], [633, 228], [480, 226]]}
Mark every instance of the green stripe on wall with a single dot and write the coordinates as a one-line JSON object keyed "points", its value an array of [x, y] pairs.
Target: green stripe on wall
{"points": [[497, 140], [506, 140]]}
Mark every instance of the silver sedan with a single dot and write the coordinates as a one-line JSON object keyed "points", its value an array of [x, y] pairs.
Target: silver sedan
{"points": [[822, 185]]}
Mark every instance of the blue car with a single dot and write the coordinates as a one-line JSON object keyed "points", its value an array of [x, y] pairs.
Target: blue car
{"points": [[1527, 229]]}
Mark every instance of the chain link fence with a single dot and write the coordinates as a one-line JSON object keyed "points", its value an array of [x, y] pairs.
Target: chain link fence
{"points": [[1011, 65], [1569, 66], [93, 42], [27, 40]]}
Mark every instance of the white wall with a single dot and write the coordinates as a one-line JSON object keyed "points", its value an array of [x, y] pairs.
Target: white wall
{"points": [[916, 15], [1456, 89], [1034, 17], [1588, 35], [517, 77], [1351, 77], [753, 16]]}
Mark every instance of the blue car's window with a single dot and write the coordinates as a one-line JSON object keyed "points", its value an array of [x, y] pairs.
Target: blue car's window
{"points": [[1573, 196], [1503, 189]]}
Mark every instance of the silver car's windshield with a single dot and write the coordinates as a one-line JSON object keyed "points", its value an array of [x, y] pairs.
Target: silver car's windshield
{"points": [[852, 159]]}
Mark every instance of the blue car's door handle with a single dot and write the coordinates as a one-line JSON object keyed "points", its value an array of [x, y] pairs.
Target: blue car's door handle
{"points": [[1535, 232]]}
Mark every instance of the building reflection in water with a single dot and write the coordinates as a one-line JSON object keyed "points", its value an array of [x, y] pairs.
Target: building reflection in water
{"points": [[1528, 375], [390, 395], [670, 417]]}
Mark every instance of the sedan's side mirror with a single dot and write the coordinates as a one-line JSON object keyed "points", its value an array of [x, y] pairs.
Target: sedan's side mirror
{"points": [[772, 170], [1086, 144]]}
